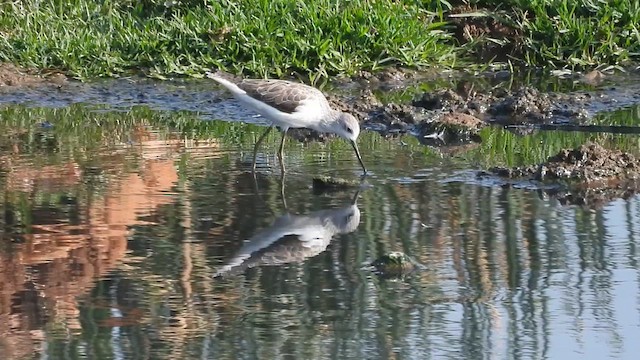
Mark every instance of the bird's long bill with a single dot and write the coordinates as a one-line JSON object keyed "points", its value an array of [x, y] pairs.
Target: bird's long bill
{"points": [[354, 200], [355, 147]]}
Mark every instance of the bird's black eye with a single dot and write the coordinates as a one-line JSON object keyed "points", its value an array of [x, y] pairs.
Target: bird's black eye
{"points": [[349, 130], [347, 219]]}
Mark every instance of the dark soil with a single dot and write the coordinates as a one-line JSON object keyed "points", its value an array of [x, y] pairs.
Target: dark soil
{"points": [[478, 29], [589, 163], [438, 127], [452, 128], [455, 115], [522, 106], [590, 175], [13, 76]]}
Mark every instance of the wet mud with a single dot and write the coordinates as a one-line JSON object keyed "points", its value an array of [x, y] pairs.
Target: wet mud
{"points": [[456, 115], [13, 76], [589, 175], [450, 118], [446, 116]]}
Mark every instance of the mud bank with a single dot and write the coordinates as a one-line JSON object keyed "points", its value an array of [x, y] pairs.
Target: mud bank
{"points": [[14, 76], [588, 175], [455, 115], [449, 116]]}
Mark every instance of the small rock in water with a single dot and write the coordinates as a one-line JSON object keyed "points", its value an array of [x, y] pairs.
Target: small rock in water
{"points": [[395, 264], [332, 183]]}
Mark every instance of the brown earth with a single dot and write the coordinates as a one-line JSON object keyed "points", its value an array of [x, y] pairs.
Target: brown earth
{"points": [[589, 175], [471, 28], [589, 163], [458, 114], [12, 75]]}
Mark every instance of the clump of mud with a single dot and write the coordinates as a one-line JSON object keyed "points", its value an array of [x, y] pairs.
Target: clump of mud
{"points": [[11, 76], [525, 105], [455, 116], [451, 128], [528, 105], [587, 163], [429, 126], [591, 175]]}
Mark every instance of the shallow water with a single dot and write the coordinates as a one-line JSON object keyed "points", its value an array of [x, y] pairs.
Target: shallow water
{"points": [[124, 234]]}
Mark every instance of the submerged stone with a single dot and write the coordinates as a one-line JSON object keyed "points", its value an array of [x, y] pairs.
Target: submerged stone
{"points": [[333, 183], [395, 263]]}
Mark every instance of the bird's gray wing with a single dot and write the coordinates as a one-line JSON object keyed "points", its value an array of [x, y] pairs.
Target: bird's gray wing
{"points": [[282, 95]]}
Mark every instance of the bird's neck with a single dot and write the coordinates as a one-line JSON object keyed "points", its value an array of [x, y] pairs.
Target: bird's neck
{"points": [[328, 122]]}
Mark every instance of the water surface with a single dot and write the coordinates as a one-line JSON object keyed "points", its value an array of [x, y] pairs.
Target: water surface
{"points": [[125, 235]]}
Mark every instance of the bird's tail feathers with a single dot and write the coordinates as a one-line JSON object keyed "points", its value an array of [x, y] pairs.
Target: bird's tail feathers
{"points": [[224, 79]]}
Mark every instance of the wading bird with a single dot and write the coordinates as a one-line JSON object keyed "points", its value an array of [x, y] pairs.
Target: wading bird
{"points": [[292, 105]]}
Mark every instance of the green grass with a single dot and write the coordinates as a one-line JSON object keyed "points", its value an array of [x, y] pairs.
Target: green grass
{"points": [[310, 38], [583, 33], [259, 37], [567, 33]]}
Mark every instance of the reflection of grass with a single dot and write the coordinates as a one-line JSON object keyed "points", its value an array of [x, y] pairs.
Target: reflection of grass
{"points": [[77, 129], [628, 116], [78, 132], [501, 147]]}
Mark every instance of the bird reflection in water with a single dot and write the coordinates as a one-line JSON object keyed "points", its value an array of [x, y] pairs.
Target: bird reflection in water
{"points": [[293, 238]]}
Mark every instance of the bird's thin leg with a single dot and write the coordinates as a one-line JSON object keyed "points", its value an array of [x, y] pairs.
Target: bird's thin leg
{"points": [[255, 148], [259, 196], [282, 193], [281, 151]]}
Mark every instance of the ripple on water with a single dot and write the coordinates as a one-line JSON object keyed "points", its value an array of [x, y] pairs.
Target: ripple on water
{"points": [[113, 233]]}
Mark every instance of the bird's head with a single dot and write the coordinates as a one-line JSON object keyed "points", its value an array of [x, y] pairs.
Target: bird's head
{"points": [[347, 126]]}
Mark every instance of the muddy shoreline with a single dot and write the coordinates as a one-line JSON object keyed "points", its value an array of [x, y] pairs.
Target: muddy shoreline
{"points": [[589, 175], [449, 118], [456, 115]]}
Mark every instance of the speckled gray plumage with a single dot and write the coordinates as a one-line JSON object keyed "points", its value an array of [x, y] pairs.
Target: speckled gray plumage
{"points": [[282, 95]]}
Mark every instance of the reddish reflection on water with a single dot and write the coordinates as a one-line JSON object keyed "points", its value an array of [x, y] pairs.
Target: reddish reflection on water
{"points": [[56, 256], [110, 251]]}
